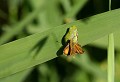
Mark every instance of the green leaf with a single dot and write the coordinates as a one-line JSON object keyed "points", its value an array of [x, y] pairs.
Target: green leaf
{"points": [[17, 77], [41, 47]]}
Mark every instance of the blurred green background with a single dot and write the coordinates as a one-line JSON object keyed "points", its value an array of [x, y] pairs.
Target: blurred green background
{"points": [[93, 63]]}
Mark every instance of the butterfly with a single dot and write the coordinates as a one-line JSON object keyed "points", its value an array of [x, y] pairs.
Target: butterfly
{"points": [[72, 49], [72, 46]]}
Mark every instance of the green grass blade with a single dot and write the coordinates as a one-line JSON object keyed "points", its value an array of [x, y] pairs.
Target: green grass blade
{"points": [[53, 13], [111, 58], [110, 54], [41, 47], [18, 77], [66, 5], [13, 6]]}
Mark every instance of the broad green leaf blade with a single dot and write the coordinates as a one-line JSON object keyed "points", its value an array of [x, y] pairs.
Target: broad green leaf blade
{"points": [[41, 47], [17, 77], [102, 42]]}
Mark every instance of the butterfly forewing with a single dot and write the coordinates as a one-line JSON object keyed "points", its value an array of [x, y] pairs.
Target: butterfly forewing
{"points": [[78, 49]]}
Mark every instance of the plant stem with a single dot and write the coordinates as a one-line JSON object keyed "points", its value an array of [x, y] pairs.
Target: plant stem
{"points": [[111, 58], [110, 54]]}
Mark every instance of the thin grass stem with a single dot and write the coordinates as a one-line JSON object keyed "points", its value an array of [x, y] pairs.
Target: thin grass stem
{"points": [[110, 54]]}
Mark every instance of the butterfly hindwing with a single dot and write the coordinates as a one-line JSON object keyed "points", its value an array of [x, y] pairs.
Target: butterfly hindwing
{"points": [[66, 49]]}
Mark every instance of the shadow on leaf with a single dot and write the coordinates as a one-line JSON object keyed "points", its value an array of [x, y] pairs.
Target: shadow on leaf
{"points": [[37, 48], [64, 44]]}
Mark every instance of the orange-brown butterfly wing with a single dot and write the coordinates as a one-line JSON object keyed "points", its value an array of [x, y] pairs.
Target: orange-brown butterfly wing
{"points": [[69, 49], [72, 48], [66, 50], [78, 49]]}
